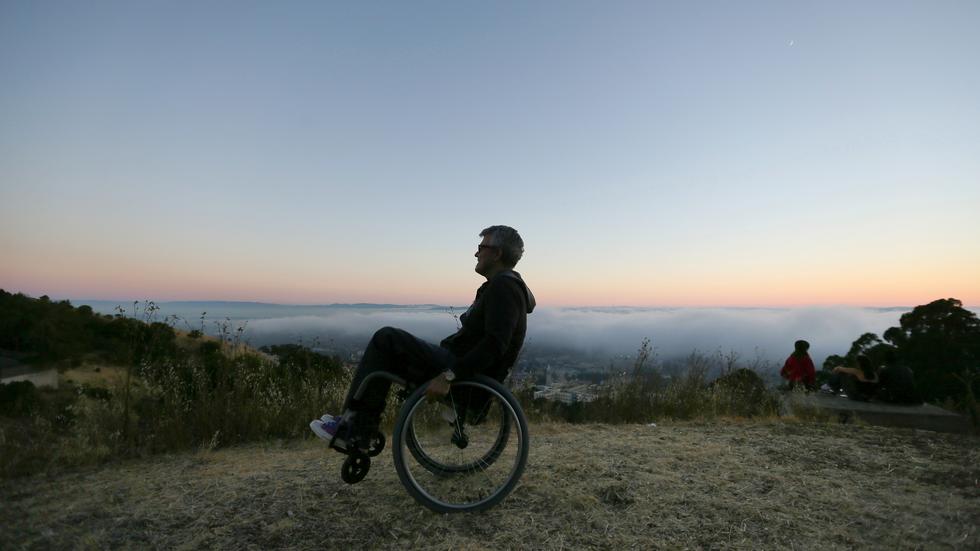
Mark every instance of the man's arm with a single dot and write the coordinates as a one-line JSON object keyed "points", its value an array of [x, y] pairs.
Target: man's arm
{"points": [[847, 370], [503, 306], [857, 373], [438, 387]]}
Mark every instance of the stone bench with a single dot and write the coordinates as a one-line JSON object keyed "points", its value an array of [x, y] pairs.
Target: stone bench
{"points": [[924, 416]]}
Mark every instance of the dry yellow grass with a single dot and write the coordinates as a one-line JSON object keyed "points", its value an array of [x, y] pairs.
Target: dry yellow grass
{"points": [[718, 485]]}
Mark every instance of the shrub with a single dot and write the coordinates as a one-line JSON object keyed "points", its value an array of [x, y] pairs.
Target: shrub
{"points": [[742, 392], [19, 399], [219, 393]]}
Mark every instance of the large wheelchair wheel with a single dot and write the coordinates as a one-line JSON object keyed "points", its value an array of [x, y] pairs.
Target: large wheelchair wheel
{"points": [[465, 452], [481, 456]]}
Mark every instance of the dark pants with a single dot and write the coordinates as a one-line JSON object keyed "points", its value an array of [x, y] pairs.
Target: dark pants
{"points": [[398, 352], [854, 388]]}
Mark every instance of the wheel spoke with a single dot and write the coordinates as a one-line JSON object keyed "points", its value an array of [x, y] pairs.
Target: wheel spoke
{"points": [[478, 472]]}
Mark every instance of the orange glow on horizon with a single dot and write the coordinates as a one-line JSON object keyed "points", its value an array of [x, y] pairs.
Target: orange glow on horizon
{"points": [[78, 277], [161, 290]]}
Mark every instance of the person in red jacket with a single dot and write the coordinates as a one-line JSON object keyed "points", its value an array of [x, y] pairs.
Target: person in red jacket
{"points": [[798, 369]]}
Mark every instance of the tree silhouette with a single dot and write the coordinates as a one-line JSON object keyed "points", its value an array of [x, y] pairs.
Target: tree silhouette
{"points": [[940, 342], [868, 344]]}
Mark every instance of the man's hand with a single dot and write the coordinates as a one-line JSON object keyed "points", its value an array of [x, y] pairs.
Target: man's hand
{"points": [[438, 387]]}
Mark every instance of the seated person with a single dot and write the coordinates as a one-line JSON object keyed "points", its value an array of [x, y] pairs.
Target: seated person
{"points": [[859, 383], [896, 385], [491, 336], [798, 369]]}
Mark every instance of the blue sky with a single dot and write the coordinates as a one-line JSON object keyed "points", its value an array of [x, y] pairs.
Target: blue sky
{"points": [[651, 153]]}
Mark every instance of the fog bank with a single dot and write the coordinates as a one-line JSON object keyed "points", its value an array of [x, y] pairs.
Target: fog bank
{"points": [[765, 333]]}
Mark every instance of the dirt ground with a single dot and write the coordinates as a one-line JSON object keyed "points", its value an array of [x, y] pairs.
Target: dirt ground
{"points": [[715, 485]]}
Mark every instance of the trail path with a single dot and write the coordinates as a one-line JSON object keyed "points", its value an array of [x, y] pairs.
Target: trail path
{"points": [[719, 485]]}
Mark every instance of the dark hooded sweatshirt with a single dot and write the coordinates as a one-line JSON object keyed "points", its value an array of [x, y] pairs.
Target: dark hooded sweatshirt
{"points": [[493, 327]]}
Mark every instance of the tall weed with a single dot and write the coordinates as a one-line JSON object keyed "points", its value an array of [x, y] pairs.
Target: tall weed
{"points": [[213, 393], [647, 393]]}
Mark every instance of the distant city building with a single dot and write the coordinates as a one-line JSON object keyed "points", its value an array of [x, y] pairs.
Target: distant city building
{"points": [[567, 394]]}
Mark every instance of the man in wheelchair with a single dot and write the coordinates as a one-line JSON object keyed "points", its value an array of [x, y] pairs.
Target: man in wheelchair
{"points": [[490, 338]]}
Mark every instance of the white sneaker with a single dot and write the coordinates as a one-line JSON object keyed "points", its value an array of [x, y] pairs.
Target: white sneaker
{"points": [[328, 431]]}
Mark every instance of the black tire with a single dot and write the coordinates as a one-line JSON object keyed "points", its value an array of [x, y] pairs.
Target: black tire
{"points": [[355, 468], [495, 460]]}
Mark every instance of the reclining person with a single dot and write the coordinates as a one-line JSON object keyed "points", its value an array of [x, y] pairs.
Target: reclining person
{"points": [[488, 343], [859, 383]]}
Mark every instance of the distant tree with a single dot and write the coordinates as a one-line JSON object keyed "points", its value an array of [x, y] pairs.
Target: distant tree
{"points": [[863, 343], [833, 361], [940, 342], [868, 344]]}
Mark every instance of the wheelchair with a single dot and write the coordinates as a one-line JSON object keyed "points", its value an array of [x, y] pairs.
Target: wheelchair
{"points": [[464, 452]]}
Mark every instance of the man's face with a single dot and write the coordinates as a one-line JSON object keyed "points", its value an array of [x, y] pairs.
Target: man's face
{"points": [[487, 256]]}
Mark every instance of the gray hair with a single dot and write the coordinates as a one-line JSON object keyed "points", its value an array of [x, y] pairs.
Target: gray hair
{"points": [[508, 241]]}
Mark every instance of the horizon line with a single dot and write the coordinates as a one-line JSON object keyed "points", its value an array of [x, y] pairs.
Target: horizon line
{"points": [[563, 306], [82, 301]]}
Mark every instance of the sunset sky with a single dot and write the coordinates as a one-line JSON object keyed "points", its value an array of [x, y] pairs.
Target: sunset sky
{"points": [[650, 153]]}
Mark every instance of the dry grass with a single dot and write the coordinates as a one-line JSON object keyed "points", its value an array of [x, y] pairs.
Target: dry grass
{"points": [[94, 375], [718, 485]]}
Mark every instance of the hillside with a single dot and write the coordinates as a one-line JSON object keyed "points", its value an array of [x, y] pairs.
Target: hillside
{"points": [[725, 484]]}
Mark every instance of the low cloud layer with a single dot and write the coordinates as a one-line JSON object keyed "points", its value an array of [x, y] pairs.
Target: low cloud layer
{"points": [[348, 324], [751, 333], [766, 333]]}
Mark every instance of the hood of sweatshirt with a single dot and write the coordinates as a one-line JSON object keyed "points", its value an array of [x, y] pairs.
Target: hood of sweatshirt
{"points": [[528, 295]]}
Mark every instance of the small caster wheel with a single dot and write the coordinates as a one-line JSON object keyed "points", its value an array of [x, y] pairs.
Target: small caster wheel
{"points": [[355, 468]]}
